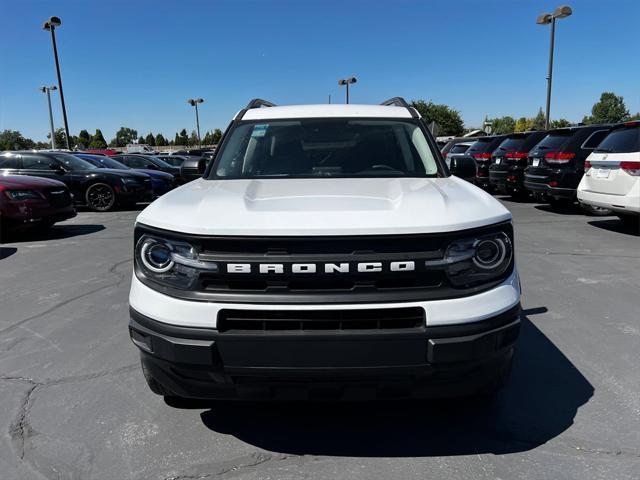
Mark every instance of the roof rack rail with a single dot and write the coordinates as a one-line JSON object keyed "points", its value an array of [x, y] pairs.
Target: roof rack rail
{"points": [[400, 102], [258, 102]]}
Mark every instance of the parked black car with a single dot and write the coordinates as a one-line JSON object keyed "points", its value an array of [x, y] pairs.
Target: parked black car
{"points": [[556, 164], [509, 160], [192, 168], [161, 182], [147, 161], [100, 189], [480, 152]]}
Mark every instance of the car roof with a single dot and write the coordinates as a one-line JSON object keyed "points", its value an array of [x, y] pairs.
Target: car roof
{"points": [[326, 111]]}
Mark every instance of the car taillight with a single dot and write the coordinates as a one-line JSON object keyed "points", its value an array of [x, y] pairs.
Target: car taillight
{"points": [[516, 154], [631, 167], [482, 156], [559, 157], [587, 165]]}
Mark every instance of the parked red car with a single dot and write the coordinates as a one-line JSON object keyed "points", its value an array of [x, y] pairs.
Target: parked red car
{"points": [[101, 151], [33, 202]]}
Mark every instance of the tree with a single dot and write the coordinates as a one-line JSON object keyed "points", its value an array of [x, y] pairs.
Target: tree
{"points": [[98, 141], [193, 139], [609, 109], [176, 141], [207, 139], [216, 136], [559, 123], [448, 120], [502, 125], [124, 136], [13, 140], [84, 139], [140, 139], [183, 138], [521, 125], [160, 140], [150, 140], [60, 138], [538, 122]]}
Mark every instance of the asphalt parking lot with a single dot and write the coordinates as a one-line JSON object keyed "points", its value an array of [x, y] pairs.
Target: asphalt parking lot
{"points": [[75, 405]]}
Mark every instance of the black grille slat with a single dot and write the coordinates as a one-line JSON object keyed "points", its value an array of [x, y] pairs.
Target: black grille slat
{"points": [[58, 197], [324, 320]]}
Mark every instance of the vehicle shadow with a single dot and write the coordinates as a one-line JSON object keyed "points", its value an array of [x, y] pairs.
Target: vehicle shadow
{"points": [[617, 226], [539, 403], [57, 232], [7, 252], [569, 209], [510, 199]]}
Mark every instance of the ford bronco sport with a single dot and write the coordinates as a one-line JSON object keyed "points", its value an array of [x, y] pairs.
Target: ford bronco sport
{"points": [[326, 253]]}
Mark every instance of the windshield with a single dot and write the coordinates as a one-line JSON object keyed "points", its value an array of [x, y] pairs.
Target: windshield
{"points": [[104, 162], [72, 162], [158, 162], [337, 147]]}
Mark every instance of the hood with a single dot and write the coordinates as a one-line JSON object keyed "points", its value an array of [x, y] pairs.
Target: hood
{"points": [[25, 181], [346, 206]]}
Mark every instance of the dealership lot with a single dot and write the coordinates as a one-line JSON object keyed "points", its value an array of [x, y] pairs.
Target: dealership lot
{"points": [[75, 404]]}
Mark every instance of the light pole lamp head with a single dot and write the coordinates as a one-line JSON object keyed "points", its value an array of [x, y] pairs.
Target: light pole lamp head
{"points": [[544, 19], [562, 12], [53, 87], [347, 81], [199, 100], [52, 22]]}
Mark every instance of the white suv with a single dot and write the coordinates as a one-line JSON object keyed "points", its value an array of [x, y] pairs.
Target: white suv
{"points": [[612, 177], [326, 253]]}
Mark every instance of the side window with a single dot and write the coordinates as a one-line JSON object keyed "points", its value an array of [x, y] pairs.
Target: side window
{"points": [[31, 161], [8, 161], [124, 160], [594, 139], [136, 162]]}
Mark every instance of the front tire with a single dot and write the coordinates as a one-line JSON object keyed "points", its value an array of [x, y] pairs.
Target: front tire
{"points": [[100, 197]]}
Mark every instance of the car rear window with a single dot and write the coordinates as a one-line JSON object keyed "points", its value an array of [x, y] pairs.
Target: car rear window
{"points": [[621, 140], [487, 144], [555, 140], [512, 144], [459, 148]]}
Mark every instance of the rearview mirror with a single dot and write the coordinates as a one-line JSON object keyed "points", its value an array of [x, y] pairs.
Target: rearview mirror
{"points": [[463, 167]]}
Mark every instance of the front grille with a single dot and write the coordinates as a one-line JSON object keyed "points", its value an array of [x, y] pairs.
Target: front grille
{"points": [[238, 321], [58, 197]]}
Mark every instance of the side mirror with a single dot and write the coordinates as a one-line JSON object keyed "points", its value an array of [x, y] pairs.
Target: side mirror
{"points": [[56, 167], [464, 167], [192, 168]]}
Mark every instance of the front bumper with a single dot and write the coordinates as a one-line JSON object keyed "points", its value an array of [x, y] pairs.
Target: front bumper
{"points": [[436, 361], [25, 214]]}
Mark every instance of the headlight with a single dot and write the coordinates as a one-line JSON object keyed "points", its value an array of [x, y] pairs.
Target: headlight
{"points": [[475, 260], [169, 262], [19, 195]]}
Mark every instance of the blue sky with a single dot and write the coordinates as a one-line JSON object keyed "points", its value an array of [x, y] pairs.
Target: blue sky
{"points": [[135, 62]]}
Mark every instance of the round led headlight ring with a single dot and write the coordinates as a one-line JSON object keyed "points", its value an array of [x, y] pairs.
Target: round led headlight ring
{"points": [[156, 256], [489, 253]]}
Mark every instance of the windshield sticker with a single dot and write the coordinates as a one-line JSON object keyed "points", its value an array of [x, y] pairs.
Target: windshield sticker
{"points": [[259, 130]]}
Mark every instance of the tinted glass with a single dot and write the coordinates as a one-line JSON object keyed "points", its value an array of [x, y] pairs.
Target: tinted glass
{"points": [[104, 162], [486, 144], [511, 144], [595, 138], [158, 162], [326, 148], [554, 140], [621, 140], [32, 161], [8, 161], [459, 148], [72, 162]]}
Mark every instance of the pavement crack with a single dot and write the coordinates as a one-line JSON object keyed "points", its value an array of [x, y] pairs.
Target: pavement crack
{"points": [[58, 305], [20, 429]]}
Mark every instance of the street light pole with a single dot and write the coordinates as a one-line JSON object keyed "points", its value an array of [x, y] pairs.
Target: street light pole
{"points": [[194, 103], [544, 19], [550, 75], [346, 82], [51, 25], [47, 90]]}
